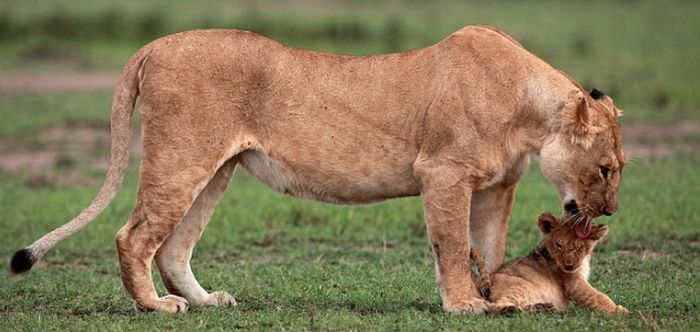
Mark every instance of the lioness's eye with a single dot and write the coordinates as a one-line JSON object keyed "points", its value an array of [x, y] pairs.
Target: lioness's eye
{"points": [[604, 171], [559, 246]]}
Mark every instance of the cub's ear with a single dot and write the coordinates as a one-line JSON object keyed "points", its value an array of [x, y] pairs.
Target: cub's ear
{"points": [[575, 120], [598, 231], [547, 223]]}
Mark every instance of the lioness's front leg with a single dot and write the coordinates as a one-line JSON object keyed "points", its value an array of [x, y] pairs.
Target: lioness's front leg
{"points": [[490, 215], [489, 219], [446, 197]]}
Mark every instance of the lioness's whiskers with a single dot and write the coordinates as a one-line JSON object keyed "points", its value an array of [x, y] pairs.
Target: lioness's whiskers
{"points": [[574, 218]]}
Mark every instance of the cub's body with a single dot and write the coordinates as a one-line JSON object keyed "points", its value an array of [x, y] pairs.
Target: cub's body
{"points": [[551, 277]]}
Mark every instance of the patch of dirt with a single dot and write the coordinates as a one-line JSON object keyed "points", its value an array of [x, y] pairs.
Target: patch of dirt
{"points": [[53, 55], [647, 141], [644, 254], [71, 146], [62, 155], [693, 240], [20, 83]]}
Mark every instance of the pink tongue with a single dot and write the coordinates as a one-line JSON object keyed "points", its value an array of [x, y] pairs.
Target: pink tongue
{"points": [[583, 229]]}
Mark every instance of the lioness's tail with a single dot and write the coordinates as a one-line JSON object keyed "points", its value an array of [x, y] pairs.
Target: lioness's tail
{"points": [[483, 283], [126, 90]]}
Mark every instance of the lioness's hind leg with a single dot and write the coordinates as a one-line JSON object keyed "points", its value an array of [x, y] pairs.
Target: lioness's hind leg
{"points": [[165, 194], [173, 257]]}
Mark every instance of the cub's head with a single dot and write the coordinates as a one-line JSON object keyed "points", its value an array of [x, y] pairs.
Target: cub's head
{"points": [[584, 158], [564, 245]]}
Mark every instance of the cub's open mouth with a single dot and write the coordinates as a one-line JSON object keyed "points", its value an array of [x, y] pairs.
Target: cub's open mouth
{"points": [[581, 222]]}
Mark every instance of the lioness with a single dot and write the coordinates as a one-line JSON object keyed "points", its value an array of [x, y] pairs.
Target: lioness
{"points": [[455, 123], [552, 276]]}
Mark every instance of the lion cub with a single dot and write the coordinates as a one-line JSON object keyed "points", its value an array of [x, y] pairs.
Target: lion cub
{"points": [[554, 274]]}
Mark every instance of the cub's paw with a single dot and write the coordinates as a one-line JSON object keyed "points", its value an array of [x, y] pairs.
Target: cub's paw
{"points": [[503, 309], [474, 305], [620, 310], [221, 299], [169, 303], [541, 307]]}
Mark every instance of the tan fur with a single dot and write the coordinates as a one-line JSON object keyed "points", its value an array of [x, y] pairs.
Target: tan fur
{"points": [[552, 276], [454, 122]]}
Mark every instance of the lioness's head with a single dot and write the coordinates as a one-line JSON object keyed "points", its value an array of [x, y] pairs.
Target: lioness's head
{"points": [[563, 244], [584, 158]]}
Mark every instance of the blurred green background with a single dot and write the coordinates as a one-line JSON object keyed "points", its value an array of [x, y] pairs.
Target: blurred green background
{"points": [[643, 53], [300, 265]]}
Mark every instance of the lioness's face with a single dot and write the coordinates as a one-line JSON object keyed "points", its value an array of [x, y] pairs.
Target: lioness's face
{"points": [[567, 249], [585, 163]]}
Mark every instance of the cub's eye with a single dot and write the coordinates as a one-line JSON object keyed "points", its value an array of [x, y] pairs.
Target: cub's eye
{"points": [[559, 246], [604, 171]]}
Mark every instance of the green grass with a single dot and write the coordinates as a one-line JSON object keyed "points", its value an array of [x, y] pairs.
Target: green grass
{"points": [[328, 268]]}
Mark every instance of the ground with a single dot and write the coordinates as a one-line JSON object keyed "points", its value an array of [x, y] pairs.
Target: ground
{"points": [[300, 265]]}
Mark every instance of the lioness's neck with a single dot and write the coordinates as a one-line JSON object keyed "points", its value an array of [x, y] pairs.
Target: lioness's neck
{"points": [[538, 119]]}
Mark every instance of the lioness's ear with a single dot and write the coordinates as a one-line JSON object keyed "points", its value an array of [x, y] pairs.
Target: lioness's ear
{"points": [[575, 120], [600, 96], [598, 231], [547, 223]]}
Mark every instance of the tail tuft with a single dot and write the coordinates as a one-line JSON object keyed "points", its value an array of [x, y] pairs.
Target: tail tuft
{"points": [[22, 261]]}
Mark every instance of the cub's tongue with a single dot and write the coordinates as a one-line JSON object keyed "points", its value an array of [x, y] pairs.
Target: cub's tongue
{"points": [[583, 229]]}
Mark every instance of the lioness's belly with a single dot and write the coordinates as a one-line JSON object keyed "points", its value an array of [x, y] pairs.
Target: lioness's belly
{"points": [[353, 183]]}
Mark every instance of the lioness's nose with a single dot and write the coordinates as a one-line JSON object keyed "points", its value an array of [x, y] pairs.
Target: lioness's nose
{"points": [[608, 211], [568, 267], [610, 206]]}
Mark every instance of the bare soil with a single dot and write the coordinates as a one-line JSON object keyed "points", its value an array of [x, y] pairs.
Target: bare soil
{"points": [[63, 153], [32, 83], [649, 141], [644, 254]]}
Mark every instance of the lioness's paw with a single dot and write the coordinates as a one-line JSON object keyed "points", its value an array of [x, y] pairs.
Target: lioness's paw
{"points": [[475, 306], [169, 303], [221, 299]]}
